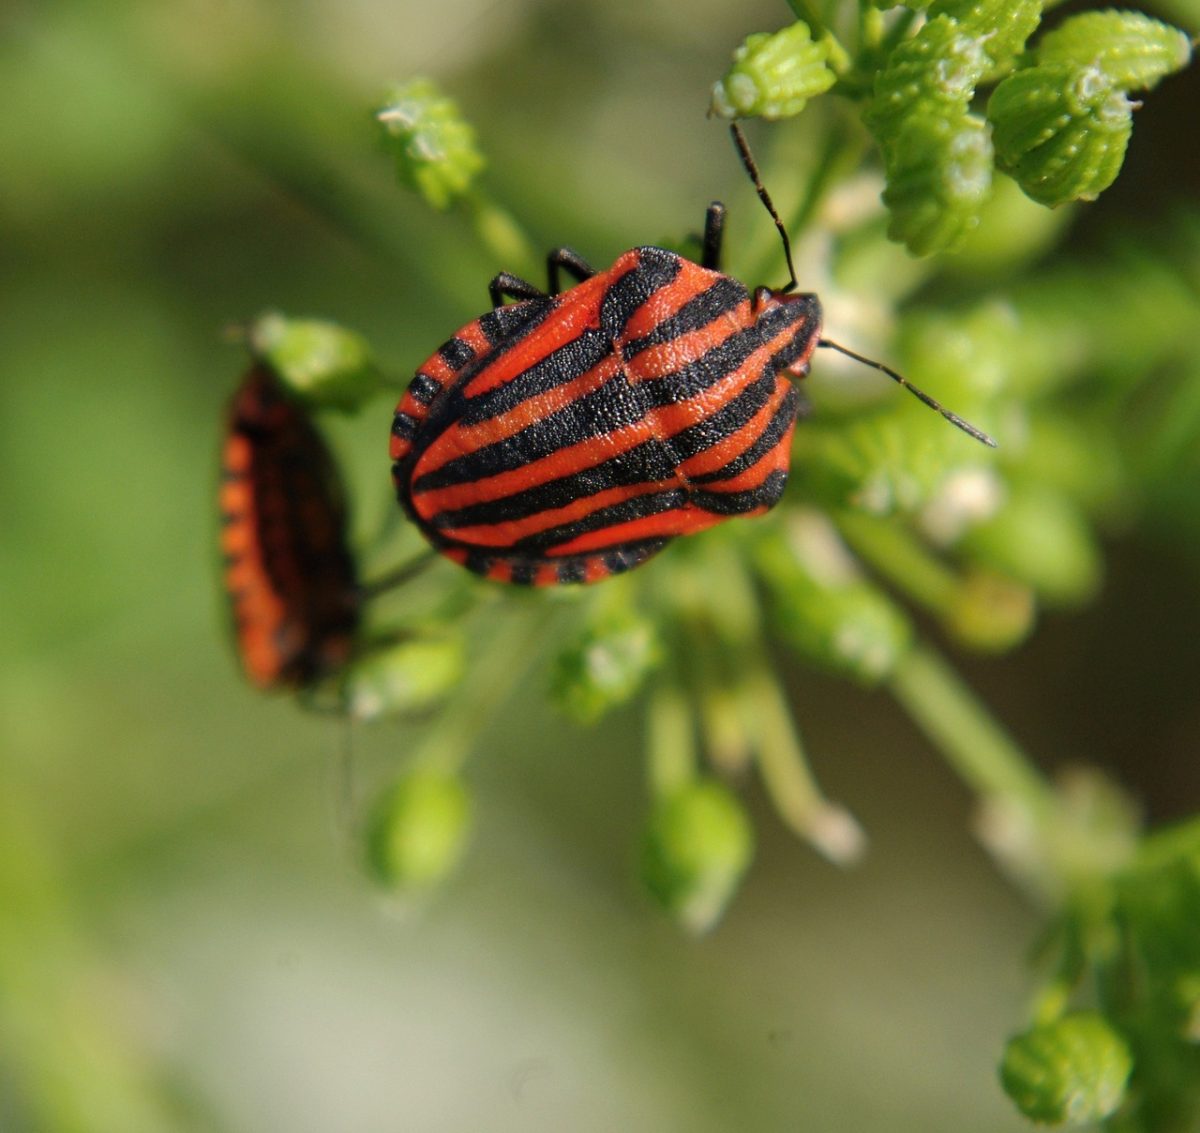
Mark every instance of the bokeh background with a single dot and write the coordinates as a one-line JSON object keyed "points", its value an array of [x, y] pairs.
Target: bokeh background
{"points": [[187, 940]]}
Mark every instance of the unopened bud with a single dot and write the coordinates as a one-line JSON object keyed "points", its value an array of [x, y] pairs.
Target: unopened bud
{"points": [[1059, 132], [324, 363], [774, 76], [406, 677], [433, 144], [418, 830], [605, 666], [698, 844], [1071, 1071], [1132, 50], [939, 176]]}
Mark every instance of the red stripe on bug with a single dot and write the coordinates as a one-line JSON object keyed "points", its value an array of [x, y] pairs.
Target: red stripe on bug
{"points": [[712, 460], [594, 569], [463, 440], [569, 321], [666, 301], [659, 362], [664, 525], [752, 478], [472, 334], [565, 462], [500, 571], [508, 532]]}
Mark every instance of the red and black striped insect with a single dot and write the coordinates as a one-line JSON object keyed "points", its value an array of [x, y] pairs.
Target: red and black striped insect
{"points": [[572, 434], [289, 573]]}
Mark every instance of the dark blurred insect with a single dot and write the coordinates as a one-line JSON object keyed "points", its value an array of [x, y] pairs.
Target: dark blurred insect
{"points": [[289, 573], [571, 435]]}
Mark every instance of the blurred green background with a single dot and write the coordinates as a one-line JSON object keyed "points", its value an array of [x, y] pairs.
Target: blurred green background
{"points": [[186, 938]]}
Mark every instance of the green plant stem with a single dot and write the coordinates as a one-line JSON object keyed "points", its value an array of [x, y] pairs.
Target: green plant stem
{"points": [[1054, 997], [839, 153], [756, 715], [727, 744], [898, 31], [503, 237], [785, 771], [781, 758], [706, 665], [807, 11], [670, 742], [505, 659], [907, 564], [974, 744], [870, 26]]}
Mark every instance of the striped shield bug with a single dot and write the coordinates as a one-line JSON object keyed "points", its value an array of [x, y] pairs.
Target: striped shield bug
{"points": [[571, 434], [289, 573]]}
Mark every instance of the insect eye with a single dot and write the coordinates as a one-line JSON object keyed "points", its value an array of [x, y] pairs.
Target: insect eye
{"points": [[762, 296]]}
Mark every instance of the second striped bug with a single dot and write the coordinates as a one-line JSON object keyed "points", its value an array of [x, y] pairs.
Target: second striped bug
{"points": [[289, 572], [570, 435]]}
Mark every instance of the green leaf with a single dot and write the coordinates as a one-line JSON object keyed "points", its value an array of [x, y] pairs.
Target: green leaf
{"points": [[774, 76], [434, 146]]}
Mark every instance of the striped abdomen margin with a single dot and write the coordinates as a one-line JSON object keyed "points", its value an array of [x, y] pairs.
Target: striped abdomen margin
{"points": [[565, 438]]}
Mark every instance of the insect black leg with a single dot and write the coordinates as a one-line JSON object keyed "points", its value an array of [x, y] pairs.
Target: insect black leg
{"points": [[714, 230], [570, 261], [506, 285], [397, 577]]}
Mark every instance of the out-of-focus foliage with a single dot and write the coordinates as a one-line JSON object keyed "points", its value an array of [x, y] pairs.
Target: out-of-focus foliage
{"points": [[698, 844], [606, 663], [774, 76], [1072, 1071], [325, 363], [433, 144], [1058, 122], [417, 832], [404, 676], [1062, 124]]}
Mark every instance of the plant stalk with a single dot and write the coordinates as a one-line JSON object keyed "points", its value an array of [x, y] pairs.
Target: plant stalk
{"points": [[975, 745]]}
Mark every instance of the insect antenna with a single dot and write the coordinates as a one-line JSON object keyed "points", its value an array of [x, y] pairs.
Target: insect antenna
{"points": [[743, 148], [920, 394]]}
